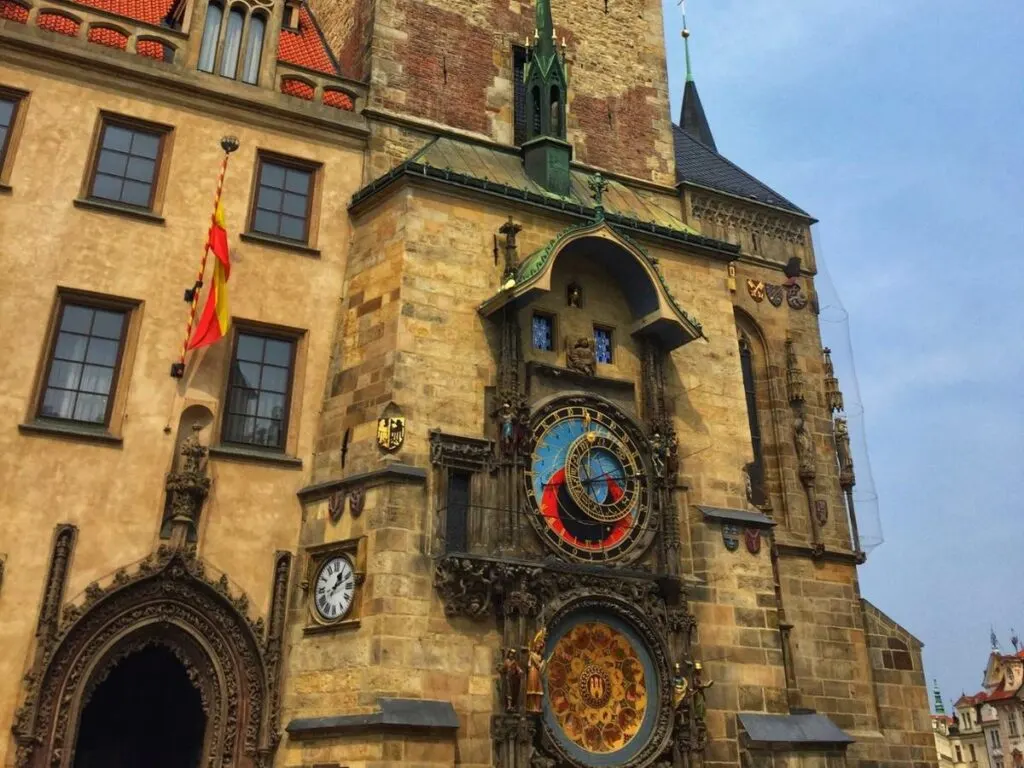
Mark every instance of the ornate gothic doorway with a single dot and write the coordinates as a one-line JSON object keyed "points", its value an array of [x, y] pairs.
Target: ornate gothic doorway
{"points": [[130, 724]]}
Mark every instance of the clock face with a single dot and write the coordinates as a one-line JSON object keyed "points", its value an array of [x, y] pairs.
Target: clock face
{"points": [[588, 484], [334, 588]]}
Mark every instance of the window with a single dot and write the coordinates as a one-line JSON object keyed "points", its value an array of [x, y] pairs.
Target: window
{"points": [[259, 391], [1013, 723], [603, 344], [208, 48], [232, 43], [994, 738], [457, 512], [959, 754], [225, 38], [543, 332], [519, 95], [126, 164], [756, 469], [83, 364], [8, 111], [284, 192], [253, 50], [974, 755]]}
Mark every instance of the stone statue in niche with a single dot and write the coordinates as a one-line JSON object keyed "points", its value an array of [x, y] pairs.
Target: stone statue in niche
{"points": [[574, 296], [804, 447], [507, 419], [846, 476], [534, 675], [511, 679], [581, 357]]}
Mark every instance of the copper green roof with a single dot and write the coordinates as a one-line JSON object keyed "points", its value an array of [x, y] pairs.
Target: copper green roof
{"points": [[499, 171]]}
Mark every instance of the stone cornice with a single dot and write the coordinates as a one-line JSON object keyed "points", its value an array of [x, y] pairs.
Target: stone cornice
{"points": [[390, 473], [34, 49]]}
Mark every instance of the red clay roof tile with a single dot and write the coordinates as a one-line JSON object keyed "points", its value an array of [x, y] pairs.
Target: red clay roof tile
{"points": [[306, 47]]}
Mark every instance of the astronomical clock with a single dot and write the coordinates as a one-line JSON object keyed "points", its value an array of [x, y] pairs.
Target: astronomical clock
{"points": [[577, 552]]}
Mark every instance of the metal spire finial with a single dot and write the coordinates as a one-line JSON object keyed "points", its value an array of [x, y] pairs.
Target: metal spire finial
{"points": [[686, 43]]}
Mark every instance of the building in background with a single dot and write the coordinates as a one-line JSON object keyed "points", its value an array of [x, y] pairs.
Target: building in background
{"points": [[514, 444]]}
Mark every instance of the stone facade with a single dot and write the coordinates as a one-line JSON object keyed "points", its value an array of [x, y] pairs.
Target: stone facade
{"points": [[400, 307]]}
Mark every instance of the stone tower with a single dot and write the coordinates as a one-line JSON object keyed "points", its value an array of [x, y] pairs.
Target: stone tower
{"points": [[520, 447]]}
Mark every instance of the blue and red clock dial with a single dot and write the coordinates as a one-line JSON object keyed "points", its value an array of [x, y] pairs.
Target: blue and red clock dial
{"points": [[587, 484]]}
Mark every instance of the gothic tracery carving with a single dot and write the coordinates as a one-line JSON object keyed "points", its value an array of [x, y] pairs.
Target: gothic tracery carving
{"points": [[169, 600], [728, 214]]}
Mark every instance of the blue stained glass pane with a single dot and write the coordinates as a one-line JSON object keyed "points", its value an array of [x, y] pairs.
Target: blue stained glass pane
{"points": [[542, 332], [603, 345]]}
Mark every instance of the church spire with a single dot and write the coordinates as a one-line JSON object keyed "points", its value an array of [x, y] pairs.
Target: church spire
{"points": [[546, 154], [939, 708], [692, 118]]}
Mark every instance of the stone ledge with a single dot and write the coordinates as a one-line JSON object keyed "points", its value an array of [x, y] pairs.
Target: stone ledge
{"points": [[833, 555], [392, 472], [278, 242], [394, 714], [6, 189], [807, 731], [564, 374], [117, 209], [737, 517], [254, 454], [69, 430]]}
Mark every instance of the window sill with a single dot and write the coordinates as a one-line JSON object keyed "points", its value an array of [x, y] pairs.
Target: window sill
{"points": [[279, 242], [118, 208], [241, 453], [69, 430]]}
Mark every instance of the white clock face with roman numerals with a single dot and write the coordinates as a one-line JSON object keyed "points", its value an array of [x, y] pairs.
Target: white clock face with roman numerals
{"points": [[334, 589]]}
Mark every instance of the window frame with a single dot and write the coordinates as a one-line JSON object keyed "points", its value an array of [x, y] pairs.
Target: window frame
{"points": [[314, 169], [519, 89], [10, 142], [293, 340], [119, 378], [610, 330], [163, 132], [297, 338], [553, 317]]}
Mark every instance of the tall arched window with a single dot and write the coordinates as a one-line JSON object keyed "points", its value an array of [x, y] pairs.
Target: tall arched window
{"points": [[231, 47], [535, 98], [756, 468], [556, 112], [253, 49], [232, 42], [211, 31]]}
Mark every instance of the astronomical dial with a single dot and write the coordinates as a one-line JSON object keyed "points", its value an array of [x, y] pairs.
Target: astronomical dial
{"points": [[587, 482], [334, 588]]}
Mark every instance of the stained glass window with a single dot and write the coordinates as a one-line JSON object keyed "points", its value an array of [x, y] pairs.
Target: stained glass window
{"points": [[543, 332], [603, 344]]}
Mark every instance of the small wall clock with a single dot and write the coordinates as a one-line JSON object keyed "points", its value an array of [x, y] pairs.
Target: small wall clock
{"points": [[334, 588], [335, 573]]}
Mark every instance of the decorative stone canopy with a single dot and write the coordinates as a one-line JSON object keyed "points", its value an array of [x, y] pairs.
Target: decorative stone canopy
{"points": [[656, 313]]}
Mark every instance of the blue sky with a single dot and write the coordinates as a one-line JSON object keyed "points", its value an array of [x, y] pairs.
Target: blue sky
{"points": [[900, 125]]}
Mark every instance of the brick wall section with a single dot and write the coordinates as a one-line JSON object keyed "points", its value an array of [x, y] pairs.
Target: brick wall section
{"points": [[451, 63], [347, 26]]}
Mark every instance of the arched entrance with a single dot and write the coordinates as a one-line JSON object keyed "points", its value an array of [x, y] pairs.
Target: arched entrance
{"points": [[161, 668], [158, 724]]}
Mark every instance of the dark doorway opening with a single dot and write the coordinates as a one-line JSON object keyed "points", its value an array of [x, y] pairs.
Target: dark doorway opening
{"points": [[146, 714]]}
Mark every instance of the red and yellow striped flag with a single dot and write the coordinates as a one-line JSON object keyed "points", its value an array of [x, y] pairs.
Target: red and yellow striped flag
{"points": [[216, 318]]}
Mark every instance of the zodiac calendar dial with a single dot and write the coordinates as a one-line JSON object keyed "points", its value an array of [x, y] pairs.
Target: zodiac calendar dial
{"points": [[587, 483]]}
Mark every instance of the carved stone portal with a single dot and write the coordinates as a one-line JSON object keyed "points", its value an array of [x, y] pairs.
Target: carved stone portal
{"points": [[169, 601]]}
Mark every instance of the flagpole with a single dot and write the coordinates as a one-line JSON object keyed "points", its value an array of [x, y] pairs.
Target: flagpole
{"points": [[229, 144]]}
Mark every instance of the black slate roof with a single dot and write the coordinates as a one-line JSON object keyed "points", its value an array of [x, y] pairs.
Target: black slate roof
{"points": [[700, 164]]}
